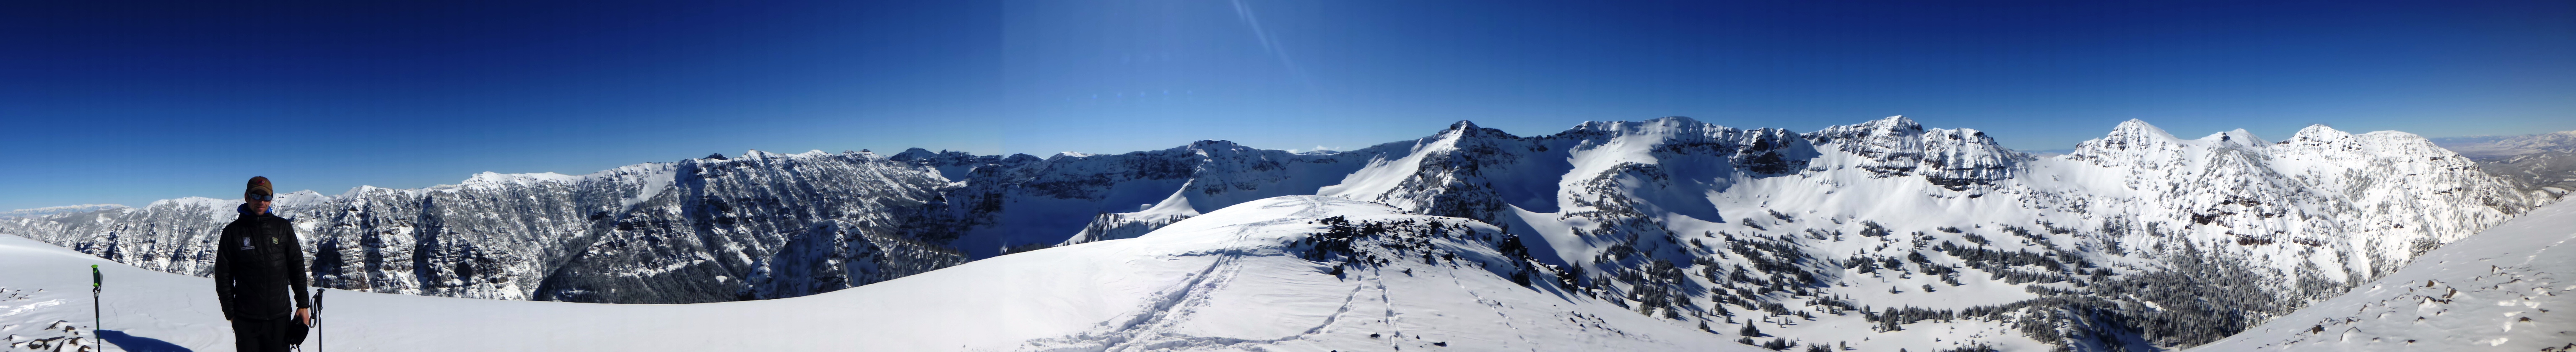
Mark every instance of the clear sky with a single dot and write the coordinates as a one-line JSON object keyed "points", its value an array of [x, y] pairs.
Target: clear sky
{"points": [[126, 102]]}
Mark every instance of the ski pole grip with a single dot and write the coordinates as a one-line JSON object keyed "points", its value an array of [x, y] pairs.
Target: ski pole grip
{"points": [[94, 277]]}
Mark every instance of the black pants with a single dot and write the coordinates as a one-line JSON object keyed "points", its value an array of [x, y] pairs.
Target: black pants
{"points": [[262, 335]]}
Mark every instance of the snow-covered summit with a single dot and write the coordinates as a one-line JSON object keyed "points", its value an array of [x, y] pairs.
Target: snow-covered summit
{"points": [[1920, 236], [2134, 129], [2319, 134], [1897, 146], [2129, 135], [2237, 138], [488, 178]]}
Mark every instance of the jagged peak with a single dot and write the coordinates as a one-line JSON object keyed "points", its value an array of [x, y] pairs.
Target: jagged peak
{"points": [[2238, 137], [1893, 123], [196, 201], [2319, 132], [1890, 126], [361, 189], [1212, 148], [495, 178], [1969, 132], [2321, 128], [1676, 120], [755, 154], [1463, 125], [1213, 145], [2133, 133], [1667, 123], [2138, 128], [1465, 129], [910, 154], [918, 154]]}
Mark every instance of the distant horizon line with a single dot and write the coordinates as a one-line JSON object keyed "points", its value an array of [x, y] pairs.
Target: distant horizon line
{"points": [[39, 211]]}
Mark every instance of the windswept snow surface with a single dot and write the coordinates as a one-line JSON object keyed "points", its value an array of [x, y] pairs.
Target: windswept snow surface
{"points": [[2506, 289], [1233, 279]]}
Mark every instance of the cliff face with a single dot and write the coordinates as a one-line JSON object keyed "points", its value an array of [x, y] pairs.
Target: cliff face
{"points": [[680, 232], [1896, 146]]}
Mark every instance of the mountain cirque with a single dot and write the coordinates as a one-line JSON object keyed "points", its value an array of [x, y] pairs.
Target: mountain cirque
{"points": [[2136, 240]]}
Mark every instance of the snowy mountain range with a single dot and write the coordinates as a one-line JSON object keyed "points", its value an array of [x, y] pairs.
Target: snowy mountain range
{"points": [[1883, 234], [2540, 162], [1287, 273]]}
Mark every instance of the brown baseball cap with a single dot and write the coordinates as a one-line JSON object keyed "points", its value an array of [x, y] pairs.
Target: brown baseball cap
{"points": [[259, 189]]}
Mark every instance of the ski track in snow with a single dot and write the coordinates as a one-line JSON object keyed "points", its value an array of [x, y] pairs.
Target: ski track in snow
{"points": [[1499, 315]]}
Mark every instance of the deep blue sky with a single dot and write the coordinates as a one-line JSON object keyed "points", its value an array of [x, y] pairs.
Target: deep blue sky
{"points": [[131, 101]]}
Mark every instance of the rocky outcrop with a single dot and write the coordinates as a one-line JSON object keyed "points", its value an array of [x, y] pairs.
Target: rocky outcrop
{"points": [[1897, 147], [652, 233]]}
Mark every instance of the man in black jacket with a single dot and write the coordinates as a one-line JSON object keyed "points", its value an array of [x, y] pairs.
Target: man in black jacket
{"points": [[258, 265]]}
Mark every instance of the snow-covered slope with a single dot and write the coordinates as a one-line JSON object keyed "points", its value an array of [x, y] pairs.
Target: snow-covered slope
{"points": [[1879, 235], [2135, 240], [2505, 289], [1243, 278]]}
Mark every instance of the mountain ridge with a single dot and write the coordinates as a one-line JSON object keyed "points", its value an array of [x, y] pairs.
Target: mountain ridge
{"points": [[1672, 218]]}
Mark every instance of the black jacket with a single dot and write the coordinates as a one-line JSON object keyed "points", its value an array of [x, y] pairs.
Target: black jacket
{"points": [[258, 264]]}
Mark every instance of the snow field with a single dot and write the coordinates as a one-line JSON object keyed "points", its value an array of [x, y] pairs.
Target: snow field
{"points": [[1221, 281], [1610, 198], [2500, 290]]}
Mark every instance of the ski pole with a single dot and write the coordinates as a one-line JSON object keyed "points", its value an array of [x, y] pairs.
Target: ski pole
{"points": [[94, 279], [317, 318]]}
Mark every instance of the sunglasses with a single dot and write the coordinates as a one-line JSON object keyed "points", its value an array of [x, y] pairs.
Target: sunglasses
{"points": [[260, 197]]}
